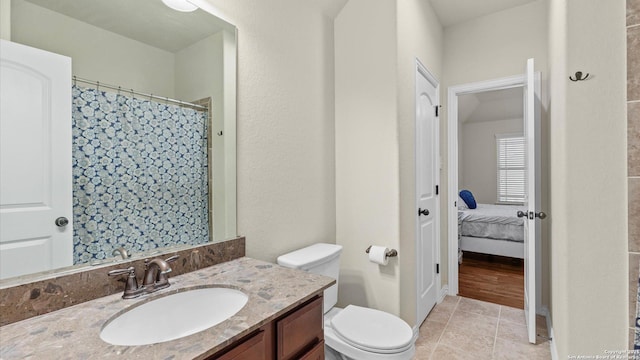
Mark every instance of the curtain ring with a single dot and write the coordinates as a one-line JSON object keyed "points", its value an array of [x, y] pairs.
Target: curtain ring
{"points": [[150, 97], [132, 94], [119, 87], [75, 81], [98, 85]]}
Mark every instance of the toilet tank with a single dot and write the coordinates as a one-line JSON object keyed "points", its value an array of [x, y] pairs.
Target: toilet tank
{"points": [[322, 259]]}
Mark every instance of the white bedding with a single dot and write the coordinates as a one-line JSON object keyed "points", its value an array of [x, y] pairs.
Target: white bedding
{"points": [[496, 214], [492, 222]]}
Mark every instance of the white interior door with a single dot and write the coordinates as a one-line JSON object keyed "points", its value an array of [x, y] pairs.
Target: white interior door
{"points": [[427, 175], [35, 160], [532, 199]]}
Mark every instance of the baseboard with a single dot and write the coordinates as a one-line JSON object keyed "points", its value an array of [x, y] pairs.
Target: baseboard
{"points": [[443, 292], [544, 311]]}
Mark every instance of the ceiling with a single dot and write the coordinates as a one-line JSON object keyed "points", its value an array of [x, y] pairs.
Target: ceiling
{"points": [[147, 21], [491, 106], [451, 12]]}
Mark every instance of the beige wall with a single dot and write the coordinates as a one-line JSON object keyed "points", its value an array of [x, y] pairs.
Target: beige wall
{"points": [[558, 171], [490, 47], [588, 151], [367, 151], [478, 158], [97, 54], [5, 19], [230, 103], [376, 50], [199, 71], [285, 131]]}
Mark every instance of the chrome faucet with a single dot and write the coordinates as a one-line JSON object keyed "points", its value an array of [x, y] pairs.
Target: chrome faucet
{"points": [[155, 277], [155, 273]]}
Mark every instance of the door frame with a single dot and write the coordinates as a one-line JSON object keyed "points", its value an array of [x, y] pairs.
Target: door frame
{"points": [[421, 70], [452, 169]]}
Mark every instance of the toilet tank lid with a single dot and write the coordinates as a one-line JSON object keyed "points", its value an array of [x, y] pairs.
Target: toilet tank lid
{"points": [[310, 256]]}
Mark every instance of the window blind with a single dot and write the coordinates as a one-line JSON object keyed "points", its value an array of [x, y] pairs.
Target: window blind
{"points": [[511, 168]]}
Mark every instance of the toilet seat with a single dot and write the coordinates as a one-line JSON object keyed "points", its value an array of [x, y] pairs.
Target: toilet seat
{"points": [[372, 330]]}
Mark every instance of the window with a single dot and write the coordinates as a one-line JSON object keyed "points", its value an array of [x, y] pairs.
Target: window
{"points": [[511, 168]]}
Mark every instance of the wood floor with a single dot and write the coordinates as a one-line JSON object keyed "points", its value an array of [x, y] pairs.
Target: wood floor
{"points": [[491, 278]]}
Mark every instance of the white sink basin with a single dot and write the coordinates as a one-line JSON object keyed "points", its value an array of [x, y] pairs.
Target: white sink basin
{"points": [[173, 316]]}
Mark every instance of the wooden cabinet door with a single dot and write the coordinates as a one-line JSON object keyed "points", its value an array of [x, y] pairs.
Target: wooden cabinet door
{"points": [[317, 353], [297, 335], [300, 331], [256, 347]]}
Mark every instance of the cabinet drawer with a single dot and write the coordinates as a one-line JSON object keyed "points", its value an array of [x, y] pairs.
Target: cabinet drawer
{"points": [[256, 347], [317, 353], [300, 330]]}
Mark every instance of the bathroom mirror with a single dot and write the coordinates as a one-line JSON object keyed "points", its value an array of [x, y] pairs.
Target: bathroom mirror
{"points": [[142, 55]]}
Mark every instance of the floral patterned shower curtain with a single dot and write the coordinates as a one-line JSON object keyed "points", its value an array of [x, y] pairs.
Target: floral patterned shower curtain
{"points": [[140, 174]]}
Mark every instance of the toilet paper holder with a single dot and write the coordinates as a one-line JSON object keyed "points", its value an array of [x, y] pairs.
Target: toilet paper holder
{"points": [[390, 253]]}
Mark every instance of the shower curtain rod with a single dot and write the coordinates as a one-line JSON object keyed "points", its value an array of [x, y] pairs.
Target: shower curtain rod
{"points": [[98, 84]]}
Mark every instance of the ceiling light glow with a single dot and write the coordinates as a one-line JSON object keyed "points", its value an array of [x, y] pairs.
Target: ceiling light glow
{"points": [[180, 5]]}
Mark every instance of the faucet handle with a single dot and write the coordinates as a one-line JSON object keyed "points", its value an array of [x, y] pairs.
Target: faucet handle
{"points": [[128, 270], [172, 258], [131, 289]]}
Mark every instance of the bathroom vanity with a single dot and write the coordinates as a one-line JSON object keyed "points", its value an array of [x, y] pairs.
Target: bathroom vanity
{"points": [[282, 319], [296, 335]]}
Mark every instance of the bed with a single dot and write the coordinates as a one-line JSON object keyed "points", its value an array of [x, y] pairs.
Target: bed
{"points": [[491, 229]]}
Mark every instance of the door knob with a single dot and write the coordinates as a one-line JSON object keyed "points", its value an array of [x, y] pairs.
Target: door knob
{"points": [[62, 221], [424, 212], [541, 215]]}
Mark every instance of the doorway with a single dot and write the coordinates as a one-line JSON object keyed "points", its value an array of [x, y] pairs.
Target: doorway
{"points": [[454, 94], [491, 167]]}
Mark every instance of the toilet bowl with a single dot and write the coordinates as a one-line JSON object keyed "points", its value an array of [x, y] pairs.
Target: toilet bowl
{"points": [[354, 332]]}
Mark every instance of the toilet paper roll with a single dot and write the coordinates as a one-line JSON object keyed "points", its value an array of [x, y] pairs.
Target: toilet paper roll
{"points": [[378, 255]]}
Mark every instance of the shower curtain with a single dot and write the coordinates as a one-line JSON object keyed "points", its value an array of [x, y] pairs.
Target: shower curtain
{"points": [[140, 177]]}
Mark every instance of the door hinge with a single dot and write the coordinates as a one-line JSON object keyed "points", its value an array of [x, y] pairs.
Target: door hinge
{"points": [[437, 189], [437, 268], [437, 106]]}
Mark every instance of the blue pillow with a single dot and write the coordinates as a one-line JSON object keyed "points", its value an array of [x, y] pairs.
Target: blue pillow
{"points": [[467, 196]]}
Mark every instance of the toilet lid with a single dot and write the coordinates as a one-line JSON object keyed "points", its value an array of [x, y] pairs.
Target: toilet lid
{"points": [[372, 330]]}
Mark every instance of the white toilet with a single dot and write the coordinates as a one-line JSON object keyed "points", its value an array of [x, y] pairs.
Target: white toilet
{"points": [[353, 332]]}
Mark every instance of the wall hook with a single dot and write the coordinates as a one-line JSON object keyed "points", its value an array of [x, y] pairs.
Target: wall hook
{"points": [[579, 76], [219, 133]]}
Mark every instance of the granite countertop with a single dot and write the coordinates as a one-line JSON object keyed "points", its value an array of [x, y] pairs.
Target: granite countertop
{"points": [[74, 332]]}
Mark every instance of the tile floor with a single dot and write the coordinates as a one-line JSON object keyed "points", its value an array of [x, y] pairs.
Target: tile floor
{"points": [[462, 328]]}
